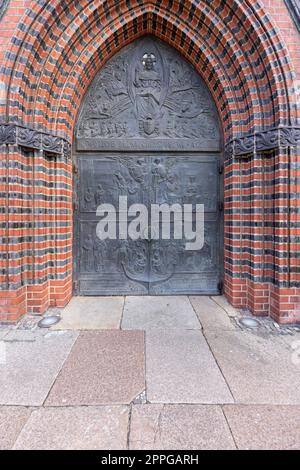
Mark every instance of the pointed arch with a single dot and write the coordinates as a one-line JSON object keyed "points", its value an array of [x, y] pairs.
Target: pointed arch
{"points": [[233, 45]]}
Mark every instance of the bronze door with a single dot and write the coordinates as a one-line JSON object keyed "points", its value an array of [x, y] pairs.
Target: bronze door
{"points": [[148, 129]]}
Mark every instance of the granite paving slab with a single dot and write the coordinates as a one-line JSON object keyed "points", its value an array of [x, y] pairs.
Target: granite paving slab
{"points": [[264, 427], [104, 367], [12, 420]]}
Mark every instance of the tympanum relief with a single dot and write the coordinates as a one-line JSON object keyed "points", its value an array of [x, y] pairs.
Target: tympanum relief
{"points": [[145, 92]]}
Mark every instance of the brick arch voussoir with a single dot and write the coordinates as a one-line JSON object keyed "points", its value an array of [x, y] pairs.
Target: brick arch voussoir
{"points": [[25, 107], [72, 93], [208, 65], [273, 84], [272, 57], [20, 57]]}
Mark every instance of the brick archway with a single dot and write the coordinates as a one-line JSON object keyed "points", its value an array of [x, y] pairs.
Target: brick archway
{"points": [[57, 51]]}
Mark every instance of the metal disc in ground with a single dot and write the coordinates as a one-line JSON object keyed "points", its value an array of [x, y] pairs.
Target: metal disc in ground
{"points": [[249, 322], [46, 322]]}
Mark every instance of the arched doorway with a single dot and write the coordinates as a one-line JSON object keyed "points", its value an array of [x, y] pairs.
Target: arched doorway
{"points": [[148, 129], [245, 64]]}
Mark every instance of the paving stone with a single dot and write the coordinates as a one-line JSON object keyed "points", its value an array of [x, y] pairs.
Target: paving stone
{"points": [[12, 420], [223, 303], [185, 427], [92, 313], [264, 427], [210, 314], [257, 369], [181, 369], [79, 428], [33, 360], [106, 367], [143, 313]]}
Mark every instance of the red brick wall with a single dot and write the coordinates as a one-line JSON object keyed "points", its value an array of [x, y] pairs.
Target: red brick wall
{"points": [[282, 19], [250, 63]]}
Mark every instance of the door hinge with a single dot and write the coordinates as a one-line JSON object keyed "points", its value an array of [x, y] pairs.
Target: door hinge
{"points": [[221, 287], [221, 169], [221, 206]]}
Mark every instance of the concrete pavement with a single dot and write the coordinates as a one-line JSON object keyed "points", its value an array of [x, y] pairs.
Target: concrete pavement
{"points": [[149, 373]]}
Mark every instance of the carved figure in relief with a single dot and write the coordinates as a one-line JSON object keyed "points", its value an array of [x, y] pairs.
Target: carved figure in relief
{"points": [[148, 91], [121, 182], [170, 191], [124, 252], [88, 199], [192, 188], [103, 108], [98, 195], [148, 85], [88, 253], [157, 261], [139, 258], [133, 258], [125, 186], [99, 254], [92, 127], [117, 86], [159, 170], [137, 170], [164, 258], [172, 183], [171, 129]]}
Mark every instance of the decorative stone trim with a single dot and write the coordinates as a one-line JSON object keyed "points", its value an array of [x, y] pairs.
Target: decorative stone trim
{"points": [[31, 139], [7, 134], [294, 9], [263, 141]]}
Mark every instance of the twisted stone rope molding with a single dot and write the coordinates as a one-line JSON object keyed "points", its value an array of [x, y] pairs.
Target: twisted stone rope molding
{"points": [[12, 134], [281, 137]]}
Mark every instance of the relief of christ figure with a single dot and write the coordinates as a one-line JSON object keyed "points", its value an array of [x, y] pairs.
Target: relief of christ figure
{"points": [[148, 85]]}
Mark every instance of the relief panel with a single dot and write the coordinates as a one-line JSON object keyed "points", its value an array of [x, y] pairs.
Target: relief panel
{"points": [[148, 97]]}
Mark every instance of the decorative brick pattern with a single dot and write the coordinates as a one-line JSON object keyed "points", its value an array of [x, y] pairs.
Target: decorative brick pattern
{"points": [[53, 50]]}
